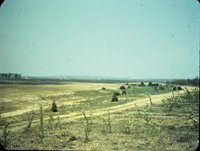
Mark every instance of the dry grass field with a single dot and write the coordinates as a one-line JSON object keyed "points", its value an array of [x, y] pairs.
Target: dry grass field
{"points": [[145, 118]]}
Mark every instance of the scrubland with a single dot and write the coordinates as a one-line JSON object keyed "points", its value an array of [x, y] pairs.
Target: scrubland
{"points": [[143, 118]]}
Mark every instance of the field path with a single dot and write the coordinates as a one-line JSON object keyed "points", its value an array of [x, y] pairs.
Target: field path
{"points": [[118, 108], [98, 112]]}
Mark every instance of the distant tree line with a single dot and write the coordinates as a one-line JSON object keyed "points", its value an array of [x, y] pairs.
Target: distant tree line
{"points": [[194, 82], [10, 76]]}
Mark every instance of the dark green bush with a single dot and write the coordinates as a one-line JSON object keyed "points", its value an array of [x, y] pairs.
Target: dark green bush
{"points": [[114, 98], [54, 107], [161, 87], [124, 92], [122, 87], [116, 94], [142, 84], [179, 88], [174, 88]]}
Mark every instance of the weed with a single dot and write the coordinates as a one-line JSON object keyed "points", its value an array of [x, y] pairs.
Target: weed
{"points": [[127, 124], [30, 121], [189, 94], [88, 123], [41, 122], [51, 121], [193, 119], [151, 103], [146, 116], [5, 135], [58, 124], [107, 126], [108, 123], [170, 102], [138, 111]]}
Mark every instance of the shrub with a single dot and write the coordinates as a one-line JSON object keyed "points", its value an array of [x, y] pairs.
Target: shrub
{"points": [[170, 103], [174, 88], [153, 84], [114, 98], [142, 84], [122, 87], [179, 88], [146, 116], [161, 87], [54, 107], [150, 84], [116, 94], [156, 88], [124, 92]]}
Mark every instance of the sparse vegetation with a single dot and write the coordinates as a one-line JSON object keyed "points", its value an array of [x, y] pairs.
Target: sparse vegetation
{"points": [[58, 123], [127, 125], [146, 116], [194, 81], [106, 127], [5, 135], [30, 121], [51, 121], [41, 122], [132, 121], [88, 125], [151, 103]]}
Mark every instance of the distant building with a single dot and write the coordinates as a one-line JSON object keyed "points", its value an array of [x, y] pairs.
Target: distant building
{"points": [[10, 76]]}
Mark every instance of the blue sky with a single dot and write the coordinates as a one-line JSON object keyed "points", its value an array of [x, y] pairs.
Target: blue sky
{"points": [[116, 38]]}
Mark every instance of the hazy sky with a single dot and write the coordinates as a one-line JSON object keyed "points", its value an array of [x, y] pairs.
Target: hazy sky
{"points": [[116, 38]]}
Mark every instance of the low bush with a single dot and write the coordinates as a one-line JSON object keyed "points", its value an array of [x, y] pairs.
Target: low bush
{"points": [[122, 87], [142, 84], [179, 88], [124, 92], [114, 98], [54, 107], [116, 94]]}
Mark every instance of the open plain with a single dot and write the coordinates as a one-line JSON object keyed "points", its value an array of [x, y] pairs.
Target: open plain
{"points": [[144, 118]]}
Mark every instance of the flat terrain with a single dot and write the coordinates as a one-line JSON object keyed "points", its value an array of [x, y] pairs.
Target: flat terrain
{"points": [[139, 120]]}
